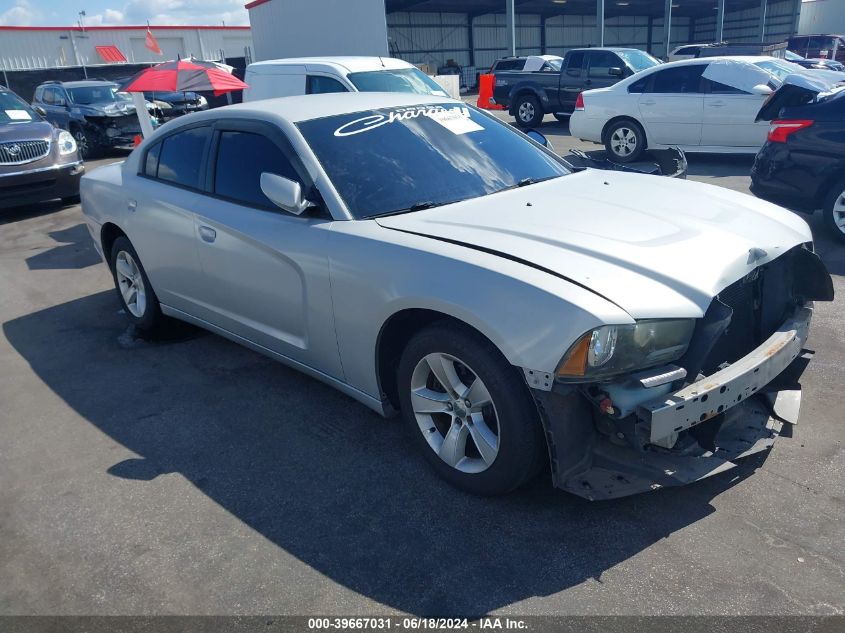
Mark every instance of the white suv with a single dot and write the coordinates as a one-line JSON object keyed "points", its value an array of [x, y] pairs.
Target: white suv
{"points": [[314, 75]]}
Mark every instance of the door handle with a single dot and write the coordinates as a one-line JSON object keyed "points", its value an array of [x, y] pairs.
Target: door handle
{"points": [[716, 104], [208, 234], [649, 102], [132, 205], [588, 82]]}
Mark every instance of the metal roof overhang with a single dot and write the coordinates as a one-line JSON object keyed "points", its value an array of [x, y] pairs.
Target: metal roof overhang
{"points": [[548, 8]]}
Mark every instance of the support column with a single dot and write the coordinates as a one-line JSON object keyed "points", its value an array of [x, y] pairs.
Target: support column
{"points": [[600, 21], [667, 27], [471, 38], [650, 38], [542, 35], [510, 19], [720, 21], [763, 7]]}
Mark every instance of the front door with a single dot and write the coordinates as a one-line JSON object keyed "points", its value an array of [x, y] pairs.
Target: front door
{"points": [[266, 274], [729, 117]]}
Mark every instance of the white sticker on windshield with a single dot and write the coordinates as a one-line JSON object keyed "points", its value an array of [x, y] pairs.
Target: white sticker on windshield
{"points": [[455, 120], [18, 115], [373, 121]]}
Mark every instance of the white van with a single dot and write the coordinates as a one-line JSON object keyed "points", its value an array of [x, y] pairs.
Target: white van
{"points": [[314, 75]]}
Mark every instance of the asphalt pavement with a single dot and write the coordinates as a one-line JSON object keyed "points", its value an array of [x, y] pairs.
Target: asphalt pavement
{"points": [[192, 476]]}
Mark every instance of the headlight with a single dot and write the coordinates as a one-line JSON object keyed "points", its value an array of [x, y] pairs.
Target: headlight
{"points": [[202, 101], [67, 144], [616, 349]]}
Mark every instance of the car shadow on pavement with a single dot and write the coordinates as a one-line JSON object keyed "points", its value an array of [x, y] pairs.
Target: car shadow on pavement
{"points": [[327, 480], [75, 250]]}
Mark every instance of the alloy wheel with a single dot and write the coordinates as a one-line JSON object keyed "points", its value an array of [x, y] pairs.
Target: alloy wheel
{"points": [[526, 111], [623, 141], [455, 412], [81, 143], [131, 284], [839, 211]]}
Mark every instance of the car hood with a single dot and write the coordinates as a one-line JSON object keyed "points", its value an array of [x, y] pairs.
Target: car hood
{"points": [[29, 131], [656, 247]]}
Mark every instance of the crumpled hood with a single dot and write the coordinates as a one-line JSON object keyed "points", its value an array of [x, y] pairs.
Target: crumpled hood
{"points": [[117, 108], [657, 247]]}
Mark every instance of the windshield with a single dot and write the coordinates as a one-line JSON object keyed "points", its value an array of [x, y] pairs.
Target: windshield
{"points": [[779, 68], [97, 94], [638, 60], [409, 158], [14, 110], [396, 80], [792, 57]]}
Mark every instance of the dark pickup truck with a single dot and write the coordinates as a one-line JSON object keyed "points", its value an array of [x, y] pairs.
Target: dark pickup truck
{"points": [[529, 96]]}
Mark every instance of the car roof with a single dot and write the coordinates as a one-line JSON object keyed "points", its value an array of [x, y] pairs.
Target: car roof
{"points": [[349, 63], [750, 59], [307, 107], [90, 83], [612, 49]]}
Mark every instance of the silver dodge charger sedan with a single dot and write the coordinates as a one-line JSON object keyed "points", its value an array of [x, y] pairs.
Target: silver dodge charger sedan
{"points": [[628, 331]]}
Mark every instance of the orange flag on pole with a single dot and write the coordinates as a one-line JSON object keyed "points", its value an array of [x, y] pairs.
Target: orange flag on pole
{"points": [[151, 42]]}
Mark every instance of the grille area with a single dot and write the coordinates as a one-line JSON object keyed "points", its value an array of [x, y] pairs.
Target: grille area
{"points": [[19, 152]]}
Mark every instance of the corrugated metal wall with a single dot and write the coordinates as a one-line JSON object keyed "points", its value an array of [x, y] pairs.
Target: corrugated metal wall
{"points": [[31, 49], [822, 16], [744, 26]]}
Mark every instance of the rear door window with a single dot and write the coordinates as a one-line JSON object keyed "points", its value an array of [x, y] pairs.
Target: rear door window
{"points": [[241, 159], [181, 157], [574, 64], [678, 80]]}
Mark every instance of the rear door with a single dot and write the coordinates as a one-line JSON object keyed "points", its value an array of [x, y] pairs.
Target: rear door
{"points": [[730, 117], [56, 105], [672, 104], [571, 80]]}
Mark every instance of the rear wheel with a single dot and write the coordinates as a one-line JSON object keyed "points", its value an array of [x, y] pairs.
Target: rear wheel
{"points": [[563, 118], [834, 211], [469, 411], [625, 141], [137, 296], [528, 111]]}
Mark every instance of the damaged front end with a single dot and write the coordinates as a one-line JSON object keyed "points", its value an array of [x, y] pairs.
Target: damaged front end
{"points": [[112, 131], [726, 397]]}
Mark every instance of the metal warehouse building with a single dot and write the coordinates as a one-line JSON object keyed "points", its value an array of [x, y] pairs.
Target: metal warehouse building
{"points": [[476, 32], [34, 47]]}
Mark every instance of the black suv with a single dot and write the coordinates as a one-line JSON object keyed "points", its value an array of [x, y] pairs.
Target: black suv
{"points": [[95, 112], [37, 161]]}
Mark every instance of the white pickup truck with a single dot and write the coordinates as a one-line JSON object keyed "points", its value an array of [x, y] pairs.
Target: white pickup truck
{"points": [[315, 75]]}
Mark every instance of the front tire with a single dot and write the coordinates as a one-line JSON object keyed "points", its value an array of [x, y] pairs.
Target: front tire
{"points": [[834, 211], [134, 290], [469, 411], [528, 111], [625, 141], [84, 142]]}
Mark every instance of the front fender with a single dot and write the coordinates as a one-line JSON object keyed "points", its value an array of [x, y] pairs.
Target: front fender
{"points": [[531, 316]]}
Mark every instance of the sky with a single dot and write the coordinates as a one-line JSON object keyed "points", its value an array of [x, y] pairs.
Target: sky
{"points": [[115, 12]]}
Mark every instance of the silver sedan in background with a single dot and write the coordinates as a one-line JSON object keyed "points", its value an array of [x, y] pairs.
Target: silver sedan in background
{"points": [[630, 331]]}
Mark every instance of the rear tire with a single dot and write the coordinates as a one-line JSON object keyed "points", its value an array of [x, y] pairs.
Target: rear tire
{"points": [[624, 141], [563, 118], [834, 211], [69, 200], [481, 432], [528, 111], [134, 290]]}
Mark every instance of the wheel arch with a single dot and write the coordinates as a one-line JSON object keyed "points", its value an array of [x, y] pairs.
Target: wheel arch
{"points": [[836, 176], [108, 234], [393, 337], [522, 90], [617, 119]]}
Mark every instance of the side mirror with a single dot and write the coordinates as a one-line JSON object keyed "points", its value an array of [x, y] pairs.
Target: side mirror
{"points": [[284, 193], [535, 136], [41, 111], [762, 89], [614, 72]]}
